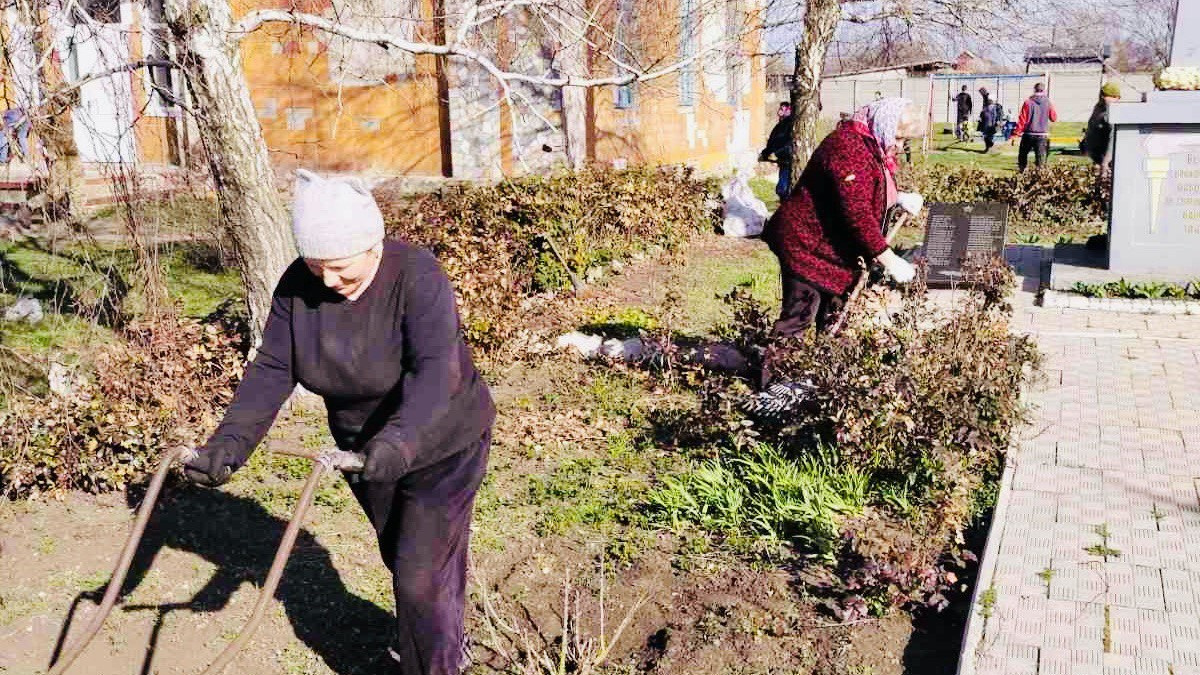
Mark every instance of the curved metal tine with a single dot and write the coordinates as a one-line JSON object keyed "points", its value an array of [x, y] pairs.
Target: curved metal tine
{"points": [[275, 573], [64, 662]]}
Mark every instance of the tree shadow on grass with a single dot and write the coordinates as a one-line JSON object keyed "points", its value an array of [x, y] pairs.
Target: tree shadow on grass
{"points": [[239, 537], [102, 297]]}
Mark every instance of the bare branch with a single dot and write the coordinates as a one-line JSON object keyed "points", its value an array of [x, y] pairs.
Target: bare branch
{"points": [[259, 18]]}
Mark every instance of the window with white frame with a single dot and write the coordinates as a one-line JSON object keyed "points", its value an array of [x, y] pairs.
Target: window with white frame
{"points": [[162, 83]]}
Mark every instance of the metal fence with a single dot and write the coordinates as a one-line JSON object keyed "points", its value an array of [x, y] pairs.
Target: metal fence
{"points": [[1073, 94]]}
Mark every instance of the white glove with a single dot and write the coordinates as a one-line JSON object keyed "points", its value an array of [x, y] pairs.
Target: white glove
{"points": [[911, 202], [896, 267]]}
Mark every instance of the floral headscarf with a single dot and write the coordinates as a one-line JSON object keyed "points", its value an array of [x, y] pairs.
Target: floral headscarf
{"points": [[880, 120]]}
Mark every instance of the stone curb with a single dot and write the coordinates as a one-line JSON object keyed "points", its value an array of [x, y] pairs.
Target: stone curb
{"points": [[1065, 300], [976, 623]]}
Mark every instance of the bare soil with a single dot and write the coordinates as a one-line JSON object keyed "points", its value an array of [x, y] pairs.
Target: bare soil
{"points": [[554, 520]]}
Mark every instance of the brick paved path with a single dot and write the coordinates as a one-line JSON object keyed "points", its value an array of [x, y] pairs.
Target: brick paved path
{"points": [[1094, 557]]}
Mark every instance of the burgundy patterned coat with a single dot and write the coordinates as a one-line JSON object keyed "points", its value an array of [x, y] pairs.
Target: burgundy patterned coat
{"points": [[835, 213]]}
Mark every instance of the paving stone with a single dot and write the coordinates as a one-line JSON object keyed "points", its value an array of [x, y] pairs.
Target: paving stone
{"points": [[1150, 665], [1117, 443], [1178, 591], [1054, 661], [1119, 664], [1148, 588]]}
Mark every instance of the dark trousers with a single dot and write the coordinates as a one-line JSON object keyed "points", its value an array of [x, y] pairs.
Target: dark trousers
{"points": [[1040, 145], [423, 524], [805, 304], [989, 139], [784, 186]]}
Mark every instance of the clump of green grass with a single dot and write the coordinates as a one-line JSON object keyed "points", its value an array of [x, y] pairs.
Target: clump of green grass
{"points": [[621, 323], [584, 492], [763, 494]]}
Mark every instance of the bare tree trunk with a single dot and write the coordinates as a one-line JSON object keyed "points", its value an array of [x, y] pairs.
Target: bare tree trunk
{"points": [[572, 59], [820, 23], [51, 123], [574, 111], [253, 213]]}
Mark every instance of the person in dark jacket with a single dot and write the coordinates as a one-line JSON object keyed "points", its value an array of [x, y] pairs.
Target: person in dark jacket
{"points": [[989, 119], [964, 105], [779, 143], [1033, 127], [836, 214], [372, 327], [1097, 136]]}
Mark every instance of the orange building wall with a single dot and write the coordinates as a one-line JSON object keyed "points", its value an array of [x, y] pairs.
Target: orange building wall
{"points": [[657, 129], [309, 120], [390, 128]]}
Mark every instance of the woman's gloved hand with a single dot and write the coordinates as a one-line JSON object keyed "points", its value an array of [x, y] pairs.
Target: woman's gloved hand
{"points": [[912, 202], [385, 461], [211, 467], [896, 267]]}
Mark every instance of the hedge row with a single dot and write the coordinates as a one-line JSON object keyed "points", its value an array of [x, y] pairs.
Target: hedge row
{"points": [[1044, 200], [502, 243]]}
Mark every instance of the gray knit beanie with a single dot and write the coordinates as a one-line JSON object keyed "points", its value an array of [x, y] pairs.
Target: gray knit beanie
{"points": [[334, 218]]}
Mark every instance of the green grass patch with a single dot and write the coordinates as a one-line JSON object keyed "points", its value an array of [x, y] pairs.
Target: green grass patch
{"points": [[706, 281], [199, 291], [765, 190], [621, 323], [946, 151], [761, 494], [613, 394], [1148, 290], [585, 491]]}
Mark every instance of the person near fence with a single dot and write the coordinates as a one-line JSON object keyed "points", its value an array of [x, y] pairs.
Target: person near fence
{"points": [[372, 327], [1033, 127], [1098, 134], [989, 119], [835, 216], [14, 125], [964, 105], [779, 144]]}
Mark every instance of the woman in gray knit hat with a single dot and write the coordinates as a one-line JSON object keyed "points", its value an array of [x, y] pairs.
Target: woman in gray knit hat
{"points": [[372, 327]]}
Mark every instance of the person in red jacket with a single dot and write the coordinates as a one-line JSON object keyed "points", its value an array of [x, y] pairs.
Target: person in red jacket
{"points": [[1033, 127], [835, 215]]}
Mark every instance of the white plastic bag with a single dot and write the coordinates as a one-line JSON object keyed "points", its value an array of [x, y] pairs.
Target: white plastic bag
{"points": [[744, 213]]}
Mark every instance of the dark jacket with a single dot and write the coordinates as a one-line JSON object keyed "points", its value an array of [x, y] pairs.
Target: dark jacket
{"points": [[779, 143], [391, 366], [1098, 133], [989, 116], [965, 105], [835, 214]]}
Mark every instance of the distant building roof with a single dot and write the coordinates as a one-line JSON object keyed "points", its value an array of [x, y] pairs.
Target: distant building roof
{"points": [[1096, 54], [912, 66]]}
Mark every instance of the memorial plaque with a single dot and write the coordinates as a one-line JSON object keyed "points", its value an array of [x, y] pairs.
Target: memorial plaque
{"points": [[955, 232]]}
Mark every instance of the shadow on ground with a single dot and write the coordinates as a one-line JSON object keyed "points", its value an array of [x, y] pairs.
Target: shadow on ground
{"points": [[239, 537]]}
